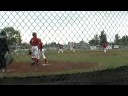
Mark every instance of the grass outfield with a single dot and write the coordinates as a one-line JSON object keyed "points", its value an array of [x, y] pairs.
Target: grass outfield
{"points": [[113, 58]]}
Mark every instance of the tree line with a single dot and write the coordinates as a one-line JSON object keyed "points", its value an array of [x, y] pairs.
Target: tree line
{"points": [[14, 38], [99, 40]]}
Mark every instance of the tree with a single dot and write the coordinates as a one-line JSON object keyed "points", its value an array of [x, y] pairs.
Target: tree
{"points": [[53, 44], [96, 38], [18, 37], [94, 41], [124, 40], [82, 42], [13, 35], [117, 39], [103, 37], [25, 45]]}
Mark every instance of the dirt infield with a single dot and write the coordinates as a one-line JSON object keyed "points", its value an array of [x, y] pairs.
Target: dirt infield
{"points": [[114, 76], [51, 67]]}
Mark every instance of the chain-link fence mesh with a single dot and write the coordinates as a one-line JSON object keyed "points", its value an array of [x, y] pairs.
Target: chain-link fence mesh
{"points": [[84, 31]]}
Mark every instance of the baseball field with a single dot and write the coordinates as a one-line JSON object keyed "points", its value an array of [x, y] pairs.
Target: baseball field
{"points": [[68, 62]]}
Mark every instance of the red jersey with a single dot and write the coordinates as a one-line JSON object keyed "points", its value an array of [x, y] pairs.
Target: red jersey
{"points": [[34, 41], [60, 46], [105, 45]]}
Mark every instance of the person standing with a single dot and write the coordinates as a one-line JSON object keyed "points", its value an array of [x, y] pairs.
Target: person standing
{"points": [[34, 42], [74, 48], [60, 48], [105, 44], [4, 49], [41, 52]]}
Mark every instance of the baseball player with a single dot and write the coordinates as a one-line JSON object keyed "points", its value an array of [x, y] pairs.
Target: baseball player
{"points": [[41, 52], [74, 48], [3, 50], [60, 48], [105, 44], [34, 42]]}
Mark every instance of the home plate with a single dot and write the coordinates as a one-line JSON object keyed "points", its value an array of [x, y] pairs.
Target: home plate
{"points": [[45, 64]]}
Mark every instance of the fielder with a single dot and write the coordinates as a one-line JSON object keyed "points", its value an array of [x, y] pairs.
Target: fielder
{"points": [[34, 42], [60, 48], [41, 52], [105, 44], [74, 48]]}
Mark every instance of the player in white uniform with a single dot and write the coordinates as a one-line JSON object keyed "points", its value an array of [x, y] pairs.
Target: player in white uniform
{"points": [[60, 48], [41, 52], [34, 42]]}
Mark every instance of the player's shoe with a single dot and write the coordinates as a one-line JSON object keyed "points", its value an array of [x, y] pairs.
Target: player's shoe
{"points": [[32, 63], [46, 62]]}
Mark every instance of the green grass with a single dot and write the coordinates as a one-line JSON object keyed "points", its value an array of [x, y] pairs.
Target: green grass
{"points": [[22, 58], [111, 59]]}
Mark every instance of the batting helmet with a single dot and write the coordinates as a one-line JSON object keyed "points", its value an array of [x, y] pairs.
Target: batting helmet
{"points": [[34, 34]]}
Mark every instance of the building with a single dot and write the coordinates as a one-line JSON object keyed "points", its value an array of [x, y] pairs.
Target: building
{"points": [[81, 45]]}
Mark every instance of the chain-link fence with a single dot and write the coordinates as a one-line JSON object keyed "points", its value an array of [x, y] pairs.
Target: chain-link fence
{"points": [[82, 34]]}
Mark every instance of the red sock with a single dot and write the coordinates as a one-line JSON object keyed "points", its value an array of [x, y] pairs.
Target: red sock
{"points": [[36, 60]]}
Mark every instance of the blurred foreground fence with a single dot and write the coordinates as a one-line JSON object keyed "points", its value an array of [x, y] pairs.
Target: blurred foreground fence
{"points": [[82, 30]]}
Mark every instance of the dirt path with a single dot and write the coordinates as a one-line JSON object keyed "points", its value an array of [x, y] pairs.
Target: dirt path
{"points": [[58, 67]]}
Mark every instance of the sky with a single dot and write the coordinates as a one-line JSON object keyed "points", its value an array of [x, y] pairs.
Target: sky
{"points": [[66, 26]]}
